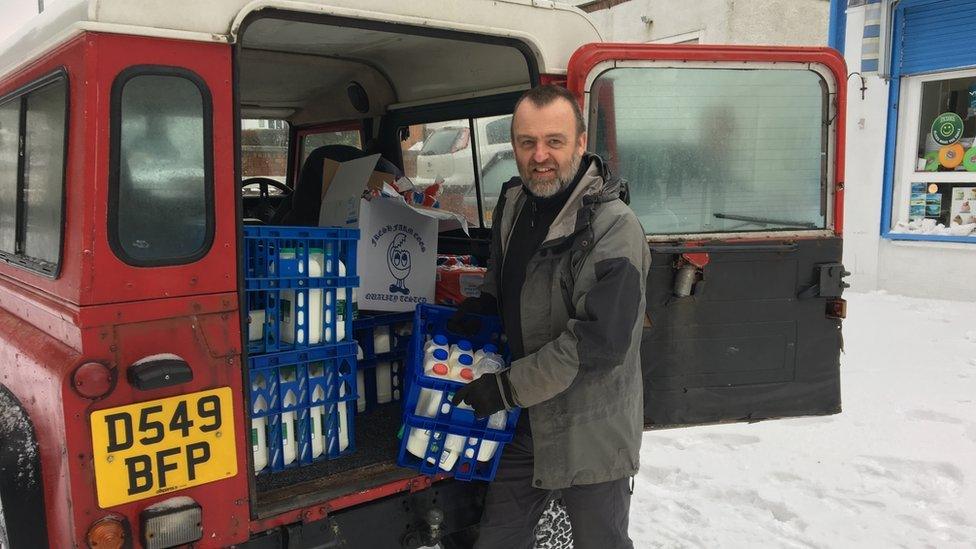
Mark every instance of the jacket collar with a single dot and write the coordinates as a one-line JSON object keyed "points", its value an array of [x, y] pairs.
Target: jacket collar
{"points": [[596, 185]]}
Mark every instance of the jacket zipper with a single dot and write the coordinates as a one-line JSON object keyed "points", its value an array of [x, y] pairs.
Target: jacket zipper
{"points": [[501, 269]]}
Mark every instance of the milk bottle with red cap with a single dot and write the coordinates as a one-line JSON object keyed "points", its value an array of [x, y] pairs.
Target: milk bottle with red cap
{"points": [[490, 363], [429, 401]]}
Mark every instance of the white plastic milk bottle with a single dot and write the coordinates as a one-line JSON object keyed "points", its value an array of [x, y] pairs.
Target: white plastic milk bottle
{"points": [[381, 344], [360, 383], [289, 429], [294, 328], [259, 435], [491, 362], [439, 341], [317, 422]]}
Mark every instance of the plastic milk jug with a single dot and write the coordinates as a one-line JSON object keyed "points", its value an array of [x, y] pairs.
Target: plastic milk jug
{"points": [[384, 383], [360, 383], [345, 311], [294, 328], [437, 342], [255, 325], [429, 401], [289, 429], [462, 347], [259, 435], [381, 340], [454, 444], [491, 362], [343, 420], [317, 422], [488, 349]]}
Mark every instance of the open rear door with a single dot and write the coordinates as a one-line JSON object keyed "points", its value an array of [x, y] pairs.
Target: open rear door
{"points": [[734, 158]]}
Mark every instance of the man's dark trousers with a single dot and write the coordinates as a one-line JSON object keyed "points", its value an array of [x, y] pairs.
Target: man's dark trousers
{"points": [[597, 512]]}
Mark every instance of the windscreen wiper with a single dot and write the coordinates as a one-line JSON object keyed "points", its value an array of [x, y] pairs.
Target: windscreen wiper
{"points": [[768, 221]]}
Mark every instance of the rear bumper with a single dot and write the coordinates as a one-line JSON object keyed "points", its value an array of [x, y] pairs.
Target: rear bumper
{"points": [[399, 521]]}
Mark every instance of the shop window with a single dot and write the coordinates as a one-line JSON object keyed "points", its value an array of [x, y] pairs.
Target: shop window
{"points": [[716, 150], [33, 126], [161, 189], [264, 152], [935, 190]]}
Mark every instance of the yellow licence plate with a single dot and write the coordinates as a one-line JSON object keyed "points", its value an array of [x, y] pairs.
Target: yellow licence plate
{"points": [[151, 448]]}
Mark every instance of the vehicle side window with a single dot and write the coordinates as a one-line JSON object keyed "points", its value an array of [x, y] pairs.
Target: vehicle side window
{"points": [[9, 156], [33, 125], [161, 192], [496, 160], [716, 150], [437, 157], [264, 149], [44, 173], [312, 141]]}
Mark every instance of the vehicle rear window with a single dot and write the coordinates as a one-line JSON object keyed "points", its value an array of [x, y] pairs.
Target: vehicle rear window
{"points": [[33, 123], [716, 150], [160, 211]]}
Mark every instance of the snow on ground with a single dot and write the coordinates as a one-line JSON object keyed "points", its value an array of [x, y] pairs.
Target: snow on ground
{"points": [[896, 469]]}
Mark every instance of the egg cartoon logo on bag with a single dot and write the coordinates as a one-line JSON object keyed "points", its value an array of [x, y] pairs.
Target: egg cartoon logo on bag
{"points": [[398, 261]]}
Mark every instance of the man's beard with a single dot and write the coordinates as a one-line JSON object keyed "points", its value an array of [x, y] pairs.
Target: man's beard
{"points": [[546, 189]]}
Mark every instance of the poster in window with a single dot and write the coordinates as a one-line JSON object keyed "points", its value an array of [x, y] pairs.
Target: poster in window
{"points": [[963, 207], [933, 205]]}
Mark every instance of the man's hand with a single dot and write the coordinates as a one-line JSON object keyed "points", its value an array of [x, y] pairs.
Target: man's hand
{"points": [[463, 323], [488, 394]]}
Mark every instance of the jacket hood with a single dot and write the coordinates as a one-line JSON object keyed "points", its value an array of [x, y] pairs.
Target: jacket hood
{"points": [[596, 186]]}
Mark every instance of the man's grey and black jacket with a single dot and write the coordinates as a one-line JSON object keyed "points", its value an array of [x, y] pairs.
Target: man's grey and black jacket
{"points": [[580, 316]]}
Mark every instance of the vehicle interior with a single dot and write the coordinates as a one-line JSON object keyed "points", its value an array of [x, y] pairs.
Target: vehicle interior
{"points": [[314, 87]]}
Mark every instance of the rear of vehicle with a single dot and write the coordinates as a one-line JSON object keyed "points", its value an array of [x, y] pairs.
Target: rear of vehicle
{"points": [[124, 292]]}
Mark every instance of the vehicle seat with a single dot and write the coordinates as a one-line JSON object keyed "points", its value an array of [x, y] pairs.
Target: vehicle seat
{"points": [[306, 200], [307, 197]]}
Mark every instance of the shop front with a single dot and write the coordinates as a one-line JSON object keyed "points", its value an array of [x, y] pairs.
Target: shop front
{"points": [[912, 143]]}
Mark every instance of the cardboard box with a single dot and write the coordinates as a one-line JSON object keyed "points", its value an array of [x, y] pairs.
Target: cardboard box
{"points": [[397, 255], [397, 250]]}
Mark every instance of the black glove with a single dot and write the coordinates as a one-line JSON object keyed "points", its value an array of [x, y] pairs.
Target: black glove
{"points": [[488, 394], [463, 323]]}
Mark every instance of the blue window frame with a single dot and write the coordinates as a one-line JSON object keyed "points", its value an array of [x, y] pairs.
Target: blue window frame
{"points": [[928, 36]]}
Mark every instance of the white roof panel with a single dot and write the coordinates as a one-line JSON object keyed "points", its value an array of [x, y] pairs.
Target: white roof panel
{"points": [[552, 30]]}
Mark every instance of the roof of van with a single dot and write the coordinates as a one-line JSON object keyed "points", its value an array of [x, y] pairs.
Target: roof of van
{"points": [[552, 30]]}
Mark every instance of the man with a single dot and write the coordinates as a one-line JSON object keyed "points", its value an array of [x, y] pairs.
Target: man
{"points": [[567, 270]]}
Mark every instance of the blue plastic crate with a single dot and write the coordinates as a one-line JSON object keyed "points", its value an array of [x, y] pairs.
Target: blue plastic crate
{"points": [[287, 307], [452, 426], [364, 329], [311, 393]]}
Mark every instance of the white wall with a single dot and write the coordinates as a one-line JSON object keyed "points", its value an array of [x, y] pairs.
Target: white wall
{"points": [[779, 22], [866, 126]]}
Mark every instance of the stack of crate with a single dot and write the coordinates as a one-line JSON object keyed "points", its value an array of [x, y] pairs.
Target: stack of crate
{"points": [[384, 341], [301, 352]]}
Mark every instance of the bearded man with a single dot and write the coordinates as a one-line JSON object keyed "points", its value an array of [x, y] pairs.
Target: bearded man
{"points": [[566, 274]]}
